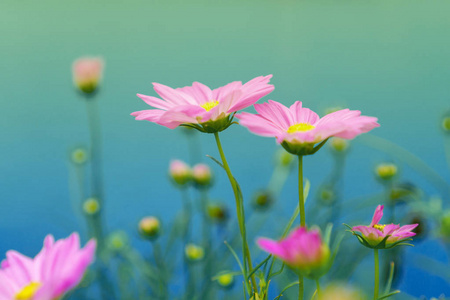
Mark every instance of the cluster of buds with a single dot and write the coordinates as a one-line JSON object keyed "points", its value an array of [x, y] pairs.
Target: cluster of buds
{"points": [[182, 175]]}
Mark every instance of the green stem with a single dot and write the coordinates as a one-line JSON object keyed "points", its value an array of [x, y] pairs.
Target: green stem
{"points": [[318, 288], [301, 204], [377, 275], [240, 213]]}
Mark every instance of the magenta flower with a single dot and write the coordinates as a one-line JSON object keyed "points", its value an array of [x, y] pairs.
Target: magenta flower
{"points": [[380, 236], [302, 250], [58, 268], [297, 128], [87, 72], [200, 107]]}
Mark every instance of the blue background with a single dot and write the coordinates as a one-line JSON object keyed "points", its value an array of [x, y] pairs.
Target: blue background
{"points": [[389, 59]]}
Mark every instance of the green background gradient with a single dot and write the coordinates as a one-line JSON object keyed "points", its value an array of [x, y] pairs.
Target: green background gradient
{"points": [[389, 59]]}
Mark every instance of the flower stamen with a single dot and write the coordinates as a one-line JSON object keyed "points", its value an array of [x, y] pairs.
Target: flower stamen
{"points": [[210, 105], [300, 127], [28, 291], [380, 227]]}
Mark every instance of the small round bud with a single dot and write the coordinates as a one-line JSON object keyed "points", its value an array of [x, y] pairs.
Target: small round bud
{"points": [[341, 292], [201, 174], [327, 195], [218, 212], [284, 158], [262, 200], [180, 172], [194, 252], [79, 156], [225, 280], [117, 241], [339, 145], [386, 171], [150, 227], [446, 124], [91, 206], [87, 72]]}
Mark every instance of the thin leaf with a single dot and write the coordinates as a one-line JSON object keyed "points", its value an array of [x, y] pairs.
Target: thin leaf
{"points": [[238, 261], [389, 295], [258, 266], [276, 273], [391, 277], [216, 161], [327, 234], [288, 286]]}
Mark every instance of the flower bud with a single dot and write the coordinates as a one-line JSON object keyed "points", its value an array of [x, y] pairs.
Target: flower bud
{"points": [[284, 158], [91, 206], [194, 252], [446, 123], [117, 241], [150, 227], [180, 172], [201, 174], [445, 225], [327, 195], [225, 280], [339, 145], [386, 171], [79, 156], [218, 212], [262, 200], [87, 72]]}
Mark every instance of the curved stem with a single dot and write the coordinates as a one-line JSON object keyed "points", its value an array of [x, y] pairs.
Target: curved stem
{"points": [[318, 288], [301, 205], [377, 275], [239, 211]]}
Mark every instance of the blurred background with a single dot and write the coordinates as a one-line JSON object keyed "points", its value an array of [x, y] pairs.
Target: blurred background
{"points": [[389, 59]]}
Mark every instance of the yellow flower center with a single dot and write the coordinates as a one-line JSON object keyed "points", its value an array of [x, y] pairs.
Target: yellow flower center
{"points": [[300, 127], [210, 105], [28, 291], [379, 227]]}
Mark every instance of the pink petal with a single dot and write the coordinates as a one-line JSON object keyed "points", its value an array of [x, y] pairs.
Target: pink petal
{"points": [[155, 102], [258, 124], [277, 113], [271, 246], [173, 96], [377, 215], [152, 115]]}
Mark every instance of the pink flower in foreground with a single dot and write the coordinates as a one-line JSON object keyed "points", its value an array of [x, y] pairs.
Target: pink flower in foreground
{"points": [[87, 72], [58, 268], [380, 236], [200, 107], [297, 128], [302, 250]]}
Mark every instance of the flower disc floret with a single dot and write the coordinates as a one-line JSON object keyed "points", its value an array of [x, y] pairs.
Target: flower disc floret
{"points": [[199, 107], [299, 129], [383, 236]]}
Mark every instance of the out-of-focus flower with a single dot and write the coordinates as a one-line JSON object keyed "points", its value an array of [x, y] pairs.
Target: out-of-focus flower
{"points": [[79, 156], [225, 280], [91, 206], [180, 172], [302, 250], [218, 212], [341, 292], [200, 107], [202, 176], [339, 145], [262, 200], [380, 236], [194, 252], [57, 269], [87, 73], [298, 129], [150, 227], [386, 171]]}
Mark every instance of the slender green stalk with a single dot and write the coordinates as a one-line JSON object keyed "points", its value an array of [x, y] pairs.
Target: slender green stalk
{"points": [[377, 275], [301, 205], [318, 287], [162, 274], [239, 211]]}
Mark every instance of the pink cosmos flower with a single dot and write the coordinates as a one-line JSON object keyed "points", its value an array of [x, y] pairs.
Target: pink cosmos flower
{"points": [[58, 268], [200, 107], [302, 250], [87, 72], [383, 236], [298, 128]]}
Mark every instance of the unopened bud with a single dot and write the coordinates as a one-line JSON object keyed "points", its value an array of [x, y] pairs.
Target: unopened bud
{"points": [[79, 156], [87, 73], [150, 227], [201, 175], [194, 252], [386, 171], [117, 240], [338, 144], [445, 225], [262, 200], [284, 158], [218, 212], [446, 124], [91, 206], [225, 280], [180, 172]]}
